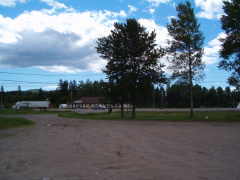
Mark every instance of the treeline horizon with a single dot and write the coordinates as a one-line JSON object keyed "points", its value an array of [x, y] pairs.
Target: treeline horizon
{"points": [[171, 96]]}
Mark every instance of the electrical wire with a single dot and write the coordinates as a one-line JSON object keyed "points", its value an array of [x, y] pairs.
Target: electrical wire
{"points": [[28, 82], [27, 74]]}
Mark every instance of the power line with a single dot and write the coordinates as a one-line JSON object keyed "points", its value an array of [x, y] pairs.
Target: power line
{"points": [[26, 74], [28, 82], [32, 82], [212, 81]]}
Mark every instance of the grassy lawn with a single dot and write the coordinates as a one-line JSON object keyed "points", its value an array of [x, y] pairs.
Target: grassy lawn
{"points": [[159, 116], [7, 122], [25, 111]]}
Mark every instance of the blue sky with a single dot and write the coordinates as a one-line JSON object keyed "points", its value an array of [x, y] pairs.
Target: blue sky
{"points": [[42, 41]]}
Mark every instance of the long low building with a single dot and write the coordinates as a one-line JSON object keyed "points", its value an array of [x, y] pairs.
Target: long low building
{"points": [[89, 102]]}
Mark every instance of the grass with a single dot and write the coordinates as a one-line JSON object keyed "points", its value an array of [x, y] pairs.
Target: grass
{"points": [[230, 116], [10, 122], [25, 111], [159, 116]]}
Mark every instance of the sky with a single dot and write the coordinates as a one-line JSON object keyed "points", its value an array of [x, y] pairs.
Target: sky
{"points": [[43, 41]]}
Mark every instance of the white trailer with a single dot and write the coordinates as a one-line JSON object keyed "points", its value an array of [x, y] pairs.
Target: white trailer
{"points": [[31, 104], [63, 106]]}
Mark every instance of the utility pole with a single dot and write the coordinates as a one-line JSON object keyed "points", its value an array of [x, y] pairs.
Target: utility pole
{"points": [[153, 98], [1, 100]]}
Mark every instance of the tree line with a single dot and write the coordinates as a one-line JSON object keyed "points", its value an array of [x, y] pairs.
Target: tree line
{"points": [[134, 60], [134, 64], [169, 96]]}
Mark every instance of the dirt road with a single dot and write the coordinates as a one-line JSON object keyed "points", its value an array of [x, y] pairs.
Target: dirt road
{"points": [[72, 149]]}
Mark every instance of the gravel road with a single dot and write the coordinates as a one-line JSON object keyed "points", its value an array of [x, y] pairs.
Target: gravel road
{"points": [[72, 149]]}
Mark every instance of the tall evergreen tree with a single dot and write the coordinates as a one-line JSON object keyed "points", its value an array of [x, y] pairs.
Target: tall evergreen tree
{"points": [[230, 51], [185, 49], [132, 61], [2, 88]]}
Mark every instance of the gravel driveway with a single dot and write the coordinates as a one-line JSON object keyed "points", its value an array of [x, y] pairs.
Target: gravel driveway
{"points": [[72, 149]]}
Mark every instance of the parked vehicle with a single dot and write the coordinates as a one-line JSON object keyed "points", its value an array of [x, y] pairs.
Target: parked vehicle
{"points": [[98, 107], [31, 104], [63, 106]]}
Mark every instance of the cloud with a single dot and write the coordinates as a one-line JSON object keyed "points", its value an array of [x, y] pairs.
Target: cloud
{"points": [[161, 36], [211, 51], [152, 11], [211, 9], [50, 87], [156, 3], [170, 17], [54, 4], [11, 3], [62, 42], [132, 9], [161, 31]]}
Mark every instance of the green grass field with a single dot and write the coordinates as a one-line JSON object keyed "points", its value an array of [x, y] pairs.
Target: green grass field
{"points": [[25, 111], [159, 116], [228, 116], [7, 122], [10, 122]]}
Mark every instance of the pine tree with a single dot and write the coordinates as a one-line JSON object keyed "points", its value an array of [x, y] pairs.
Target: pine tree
{"points": [[185, 49], [132, 61], [230, 50]]}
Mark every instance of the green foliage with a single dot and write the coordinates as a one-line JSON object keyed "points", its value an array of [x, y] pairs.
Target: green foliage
{"points": [[62, 95], [159, 116], [7, 122], [132, 58], [174, 96], [185, 49], [230, 51], [178, 97]]}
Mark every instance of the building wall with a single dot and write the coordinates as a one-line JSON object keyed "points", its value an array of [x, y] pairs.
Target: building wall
{"points": [[88, 106]]}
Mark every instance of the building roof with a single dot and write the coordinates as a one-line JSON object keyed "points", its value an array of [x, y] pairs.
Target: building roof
{"points": [[88, 100]]}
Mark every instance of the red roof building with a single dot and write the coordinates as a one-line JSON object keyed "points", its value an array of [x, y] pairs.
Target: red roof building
{"points": [[86, 102], [89, 102]]}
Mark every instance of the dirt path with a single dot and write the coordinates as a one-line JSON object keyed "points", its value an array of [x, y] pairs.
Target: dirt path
{"points": [[72, 149]]}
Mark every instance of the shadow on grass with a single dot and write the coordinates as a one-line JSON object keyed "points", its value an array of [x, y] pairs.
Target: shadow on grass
{"points": [[11, 122], [205, 116]]}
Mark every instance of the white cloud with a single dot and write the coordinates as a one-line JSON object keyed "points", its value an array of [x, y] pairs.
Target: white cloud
{"points": [[62, 42], [157, 2], [211, 51], [170, 17], [59, 69], [11, 3], [161, 31], [211, 9], [50, 87], [132, 9], [54, 4], [161, 36], [150, 10], [121, 14]]}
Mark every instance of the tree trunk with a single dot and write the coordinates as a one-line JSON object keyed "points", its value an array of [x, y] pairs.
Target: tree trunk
{"points": [[133, 110], [191, 85], [191, 99], [191, 91], [122, 110]]}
